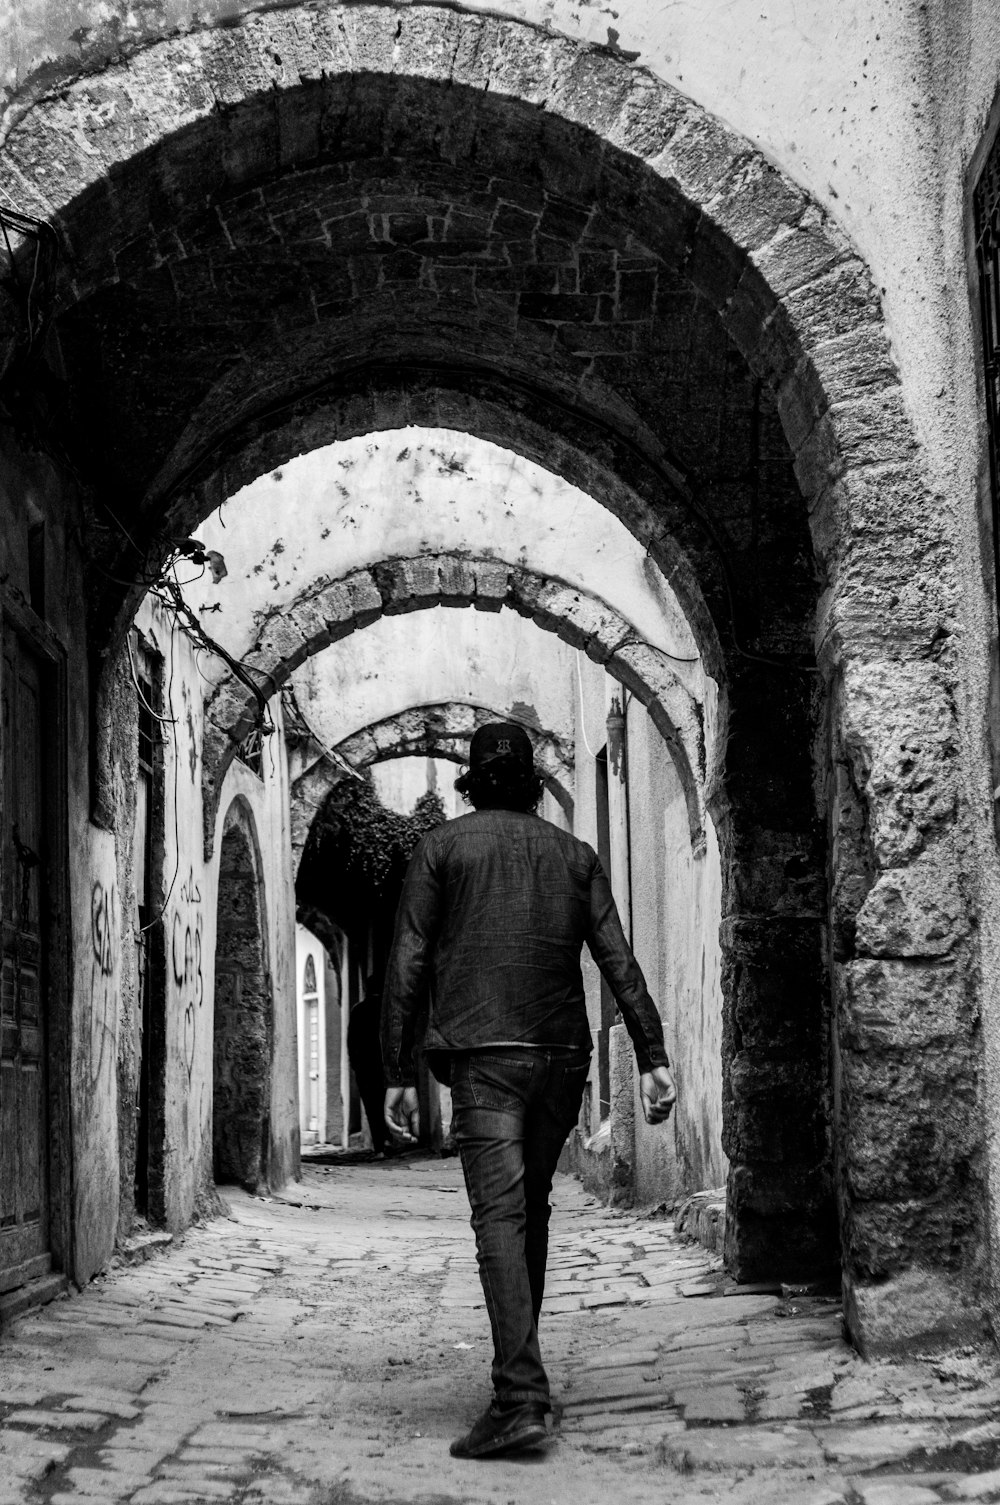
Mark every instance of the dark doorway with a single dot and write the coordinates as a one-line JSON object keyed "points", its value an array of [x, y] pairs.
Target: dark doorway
{"points": [[24, 1192], [243, 1013]]}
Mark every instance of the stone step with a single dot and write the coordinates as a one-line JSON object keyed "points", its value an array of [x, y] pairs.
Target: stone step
{"points": [[33, 1294], [15, 1276]]}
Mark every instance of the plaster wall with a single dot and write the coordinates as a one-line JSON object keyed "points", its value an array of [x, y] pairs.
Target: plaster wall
{"points": [[187, 930], [420, 491], [306, 946], [189, 898], [670, 901], [97, 1031], [400, 782], [676, 911], [496, 659]]}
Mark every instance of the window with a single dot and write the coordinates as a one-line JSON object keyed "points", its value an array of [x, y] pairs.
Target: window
{"points": [[251, 751], [311, 1002]]}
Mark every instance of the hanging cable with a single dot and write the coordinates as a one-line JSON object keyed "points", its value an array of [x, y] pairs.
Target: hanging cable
{"points": [[336, 758], [164, 720], [583, 719]]}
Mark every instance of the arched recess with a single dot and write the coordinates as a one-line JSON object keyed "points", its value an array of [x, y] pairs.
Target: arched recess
{"points": [[442, 730], [553, 224], [336, 608], [243, 1028]]}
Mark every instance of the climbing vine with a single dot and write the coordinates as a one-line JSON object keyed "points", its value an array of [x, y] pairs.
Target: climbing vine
{"points": [[370, 843]]}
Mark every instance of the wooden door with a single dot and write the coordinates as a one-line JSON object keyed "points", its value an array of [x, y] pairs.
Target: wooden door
{"points": [[23, 1141]]}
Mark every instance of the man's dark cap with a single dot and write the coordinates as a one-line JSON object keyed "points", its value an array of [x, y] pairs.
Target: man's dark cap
{"points": [[500, 739]]}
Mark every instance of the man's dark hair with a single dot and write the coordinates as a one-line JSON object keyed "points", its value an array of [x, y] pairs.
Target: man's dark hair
{"points": [[501, 785]]}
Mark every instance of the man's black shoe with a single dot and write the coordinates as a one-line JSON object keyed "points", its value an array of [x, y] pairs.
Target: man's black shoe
{"points": [[503, 1431]]}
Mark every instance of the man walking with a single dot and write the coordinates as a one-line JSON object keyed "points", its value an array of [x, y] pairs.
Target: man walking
{"points": [[495, 909], [364, 1051]]}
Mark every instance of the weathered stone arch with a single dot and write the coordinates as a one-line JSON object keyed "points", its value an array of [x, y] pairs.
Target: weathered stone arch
{"points": [[788, 288], [272, 108], [440, 730], [334, 609]]}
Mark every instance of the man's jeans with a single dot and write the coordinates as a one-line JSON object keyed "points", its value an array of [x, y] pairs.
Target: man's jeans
{"points": [[512, 1110]]}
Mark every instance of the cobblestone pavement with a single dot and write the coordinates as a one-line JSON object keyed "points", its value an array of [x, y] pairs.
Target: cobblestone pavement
{"points": [[323, 1347]]}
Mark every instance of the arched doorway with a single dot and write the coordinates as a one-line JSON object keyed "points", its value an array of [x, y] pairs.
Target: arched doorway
{"points": [[243, 1029]]}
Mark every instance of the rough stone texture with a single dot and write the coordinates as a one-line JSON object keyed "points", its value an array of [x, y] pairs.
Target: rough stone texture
{"points": [[881, 1318], [703, 1217]]}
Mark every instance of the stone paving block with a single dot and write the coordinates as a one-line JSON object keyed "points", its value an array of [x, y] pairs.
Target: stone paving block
{"points": [[601, 1421], [29, 1456], [231, 1435], [108, 1405], [72, 1497], [96, 1483], [974, 1487], [742, 1447], [986, 1431], [717, 1403], [895, 1493], [628, 1358], [607, 1384], [787, 1407], [879, 1442], [165, 1493], [204, 1486], [60, 1421], [713, 1337], [280, 1492]]}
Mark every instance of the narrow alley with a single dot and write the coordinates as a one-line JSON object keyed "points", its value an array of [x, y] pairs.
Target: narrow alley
{"points": [[499, 644], [322, 1346]]}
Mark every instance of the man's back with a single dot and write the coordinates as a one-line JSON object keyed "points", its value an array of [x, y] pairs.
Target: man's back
{"points": [[495, 910]]}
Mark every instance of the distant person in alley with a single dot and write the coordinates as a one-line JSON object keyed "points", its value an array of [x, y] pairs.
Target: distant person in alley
{"points": [[494, 913], [364, 1052]]}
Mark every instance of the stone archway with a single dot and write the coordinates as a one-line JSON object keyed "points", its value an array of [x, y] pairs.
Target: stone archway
{"points": [[442, 730], [243, 1028], [836, 868], [334, 609]]}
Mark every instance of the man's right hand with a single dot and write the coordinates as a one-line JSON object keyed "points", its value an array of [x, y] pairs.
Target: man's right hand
{"points": [[402, 1113], [657, 1094]]}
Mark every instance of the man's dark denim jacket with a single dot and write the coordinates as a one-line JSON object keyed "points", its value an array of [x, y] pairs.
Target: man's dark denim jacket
{"points": [[495, 909]]}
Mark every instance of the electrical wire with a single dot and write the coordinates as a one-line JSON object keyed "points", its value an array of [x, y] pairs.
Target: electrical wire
{"points": [[337, 759], [583, 718], [165, 720]]}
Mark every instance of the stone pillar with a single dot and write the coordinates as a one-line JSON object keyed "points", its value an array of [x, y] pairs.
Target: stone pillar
{"points": [[911, 1172], [776, 1089]]}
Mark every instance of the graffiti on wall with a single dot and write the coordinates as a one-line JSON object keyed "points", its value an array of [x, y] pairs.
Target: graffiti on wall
{"points": [[186, 962], [103, 990]]}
